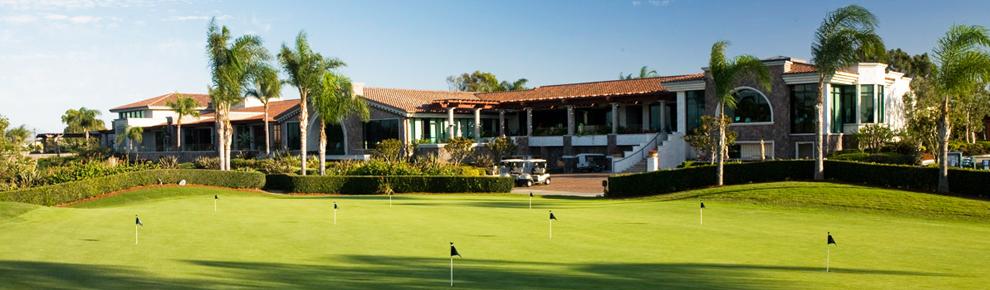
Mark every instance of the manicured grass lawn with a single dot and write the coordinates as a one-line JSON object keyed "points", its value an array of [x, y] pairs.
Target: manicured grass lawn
{"points": [[766, 236]]}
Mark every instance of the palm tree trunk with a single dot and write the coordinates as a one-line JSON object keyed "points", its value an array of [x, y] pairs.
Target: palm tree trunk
{"points": [[303, 117], [268, 137], [323, 147], [221, 133], [719, 175], [819, 131], [229, 132], [943, 148], [178, 135]]}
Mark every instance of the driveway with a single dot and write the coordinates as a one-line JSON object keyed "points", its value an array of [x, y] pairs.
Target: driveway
{"points": [[574, 184]]}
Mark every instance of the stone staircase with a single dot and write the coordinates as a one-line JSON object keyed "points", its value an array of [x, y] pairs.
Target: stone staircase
{"points": [[638, 168]]}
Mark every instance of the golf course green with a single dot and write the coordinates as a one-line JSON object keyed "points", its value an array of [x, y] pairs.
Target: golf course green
{"points": [[761, 236]]}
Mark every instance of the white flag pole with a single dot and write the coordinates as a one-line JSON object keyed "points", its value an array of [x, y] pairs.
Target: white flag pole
{"points": [[827, 254], [335, 216], [451, 271], [702, 214], [531, 201], [214, 205], [135, 234], [551, 229]]}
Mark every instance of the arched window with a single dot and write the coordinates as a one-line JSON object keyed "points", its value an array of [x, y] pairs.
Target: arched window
{"points": [[751, 107]]}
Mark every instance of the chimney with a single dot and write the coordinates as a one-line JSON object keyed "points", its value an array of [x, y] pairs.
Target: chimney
{"points": [[358, 88]]}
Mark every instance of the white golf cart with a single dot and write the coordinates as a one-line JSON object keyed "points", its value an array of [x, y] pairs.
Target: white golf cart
{"points": [[527, 172]]}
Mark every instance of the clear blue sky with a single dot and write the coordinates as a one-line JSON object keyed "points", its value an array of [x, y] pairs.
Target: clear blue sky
{"points": [[56, 55]]}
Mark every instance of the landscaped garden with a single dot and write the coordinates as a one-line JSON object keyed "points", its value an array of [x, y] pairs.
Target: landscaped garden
{"points": [[762, 236]]}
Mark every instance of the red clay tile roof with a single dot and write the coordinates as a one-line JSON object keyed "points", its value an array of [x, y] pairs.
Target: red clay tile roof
{"points": [[202, 99], [800, 68], [256, 113], [590, 89], [275, 108], [412, 100]]}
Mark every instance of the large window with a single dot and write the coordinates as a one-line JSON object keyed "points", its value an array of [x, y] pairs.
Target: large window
{"points": [[197, 139], [843, 106], [866, 103], [751, 107], [803, 98], [131, 114], [292, 139], [335, 139], [881, 105], [377, 130], [695, 109]]}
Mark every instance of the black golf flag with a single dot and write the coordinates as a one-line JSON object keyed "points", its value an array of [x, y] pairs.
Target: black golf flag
{"points": [[530, 194], [216, 196], [335, 205], [552, 217], [453, 250], [830, 240], [702, 204], [137, 221]]}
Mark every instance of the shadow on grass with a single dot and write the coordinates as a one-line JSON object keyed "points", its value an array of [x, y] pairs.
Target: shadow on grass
{"points": [[390, 272]]}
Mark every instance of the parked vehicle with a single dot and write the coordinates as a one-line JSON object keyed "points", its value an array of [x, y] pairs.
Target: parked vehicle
{"points": [[591, 162], [527, 172]]}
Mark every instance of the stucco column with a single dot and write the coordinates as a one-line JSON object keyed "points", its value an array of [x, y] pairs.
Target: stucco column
{"points": [[615, 118], [646, 117], [570, 120], [663, 116], [682, 112], [477, 124], [450, 123], [529, 122], [501, 122]]}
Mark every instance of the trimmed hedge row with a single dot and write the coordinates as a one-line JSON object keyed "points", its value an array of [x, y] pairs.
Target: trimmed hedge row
{"points": [[667, 181], [76, 190], [971, 183], [399, 184]]}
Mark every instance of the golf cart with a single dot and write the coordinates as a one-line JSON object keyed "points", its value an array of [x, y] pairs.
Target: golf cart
{"points": [[591, 162], [526, 172]]}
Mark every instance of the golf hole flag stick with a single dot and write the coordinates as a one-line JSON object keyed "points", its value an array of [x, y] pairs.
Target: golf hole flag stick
{"points": [[137, 223], [215, 198], [552, 218], [530, 200], [453, 252], [701, 213], [335, 212], [828, 242]]}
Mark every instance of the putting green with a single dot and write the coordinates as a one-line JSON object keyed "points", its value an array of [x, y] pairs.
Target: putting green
{"points": [[766, 236]]}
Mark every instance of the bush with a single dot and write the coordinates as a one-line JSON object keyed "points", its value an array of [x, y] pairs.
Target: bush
{"points": [[389, 150], [204, 162], [379, 167], [964, 182], [884, 157], [399, 184], [73, 191], [667, 181]]}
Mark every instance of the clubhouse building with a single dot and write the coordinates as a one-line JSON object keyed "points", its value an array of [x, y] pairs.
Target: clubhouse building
{"points": [[624, 119]]}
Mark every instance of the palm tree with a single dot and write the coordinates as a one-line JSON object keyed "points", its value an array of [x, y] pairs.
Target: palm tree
{"points": [[230, 62], [267, 86], [131, 136], [962, 68], [82, 120], [725, 73], [644, 72], [517, 85], [335, 102], [182, 106], [844, 37], [305, 69]]}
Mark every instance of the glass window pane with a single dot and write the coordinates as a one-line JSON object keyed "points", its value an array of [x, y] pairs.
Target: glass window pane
{"points": [[751, 107], [866, 103], [803, 99]]}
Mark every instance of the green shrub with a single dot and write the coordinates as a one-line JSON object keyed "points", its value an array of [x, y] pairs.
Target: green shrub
{"points": [[72, 191], [666, 181], [379, 167], [399, 184], [964, 182], [883, 157], [204, 162], [74, 171]]}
